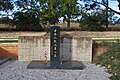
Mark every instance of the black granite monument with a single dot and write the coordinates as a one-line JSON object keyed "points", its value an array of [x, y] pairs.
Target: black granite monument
{"points": [[54, 45], [55, 62]]}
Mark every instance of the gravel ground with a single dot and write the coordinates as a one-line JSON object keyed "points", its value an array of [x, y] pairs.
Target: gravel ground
{"points": [[14, 70]]}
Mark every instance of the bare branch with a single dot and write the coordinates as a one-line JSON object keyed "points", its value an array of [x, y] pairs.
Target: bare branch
{"points": [[108, 7]]}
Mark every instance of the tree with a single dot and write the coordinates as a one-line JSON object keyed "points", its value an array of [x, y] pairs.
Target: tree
{"points": [[69, 9], [92, 3], [6, 20], [92, 21], [96, 19], [5, 7], [27, 21], [51, 11], [28, 16], [56, 9], [47, 10]]}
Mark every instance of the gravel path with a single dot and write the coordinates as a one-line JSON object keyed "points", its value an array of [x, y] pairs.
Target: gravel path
{"points": [[14, 70]]}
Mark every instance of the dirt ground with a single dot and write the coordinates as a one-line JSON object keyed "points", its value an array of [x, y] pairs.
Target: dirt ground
{"points": [[75, 25], [15, 34]]}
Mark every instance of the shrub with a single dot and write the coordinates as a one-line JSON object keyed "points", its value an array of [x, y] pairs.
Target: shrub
{"points": [[111, 59]]}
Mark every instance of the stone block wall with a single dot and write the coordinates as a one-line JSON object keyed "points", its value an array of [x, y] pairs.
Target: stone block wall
{"points": [[71, 48]]}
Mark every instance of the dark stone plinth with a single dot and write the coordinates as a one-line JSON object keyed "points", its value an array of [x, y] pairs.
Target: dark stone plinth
{"points": [[76, 65]]}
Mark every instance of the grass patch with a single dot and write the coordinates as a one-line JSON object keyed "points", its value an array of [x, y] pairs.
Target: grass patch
{"points": [[110, 59], [8, 41]]}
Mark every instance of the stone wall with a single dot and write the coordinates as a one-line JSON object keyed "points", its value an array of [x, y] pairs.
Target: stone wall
{"points": [[71, 48]]}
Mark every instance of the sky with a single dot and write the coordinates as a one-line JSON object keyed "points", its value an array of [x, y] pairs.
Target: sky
{"points": [[112, 4]]}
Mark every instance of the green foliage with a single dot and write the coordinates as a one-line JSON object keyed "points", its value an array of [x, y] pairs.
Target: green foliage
{"points": [[47, 30], [38, 12], [6, 5], [27, 21], [112, 19], [8, 41], [5, 20], [111, 59], [35, 13], [28, 17], [69, 10], [90, 4], [93, 21], [50, 10]]}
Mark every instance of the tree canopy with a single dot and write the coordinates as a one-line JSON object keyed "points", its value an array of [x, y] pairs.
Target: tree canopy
{"points": [[51, 10], [70, 9], [6, 5], [38, 12], [93, 3]]}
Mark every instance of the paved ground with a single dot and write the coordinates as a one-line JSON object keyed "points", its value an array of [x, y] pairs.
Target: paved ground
{"points": [[14, 70]]}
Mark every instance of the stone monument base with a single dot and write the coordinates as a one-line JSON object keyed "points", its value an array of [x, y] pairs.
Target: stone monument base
{"points": [[74, 65]]}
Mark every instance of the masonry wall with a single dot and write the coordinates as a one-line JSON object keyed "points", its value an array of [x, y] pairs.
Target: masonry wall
{"points": [[71, 48], [9, 50]]}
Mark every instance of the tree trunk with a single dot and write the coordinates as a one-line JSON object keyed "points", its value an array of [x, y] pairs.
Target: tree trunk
{"points": [[107, 15], [68, 25], [108, 7]]}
